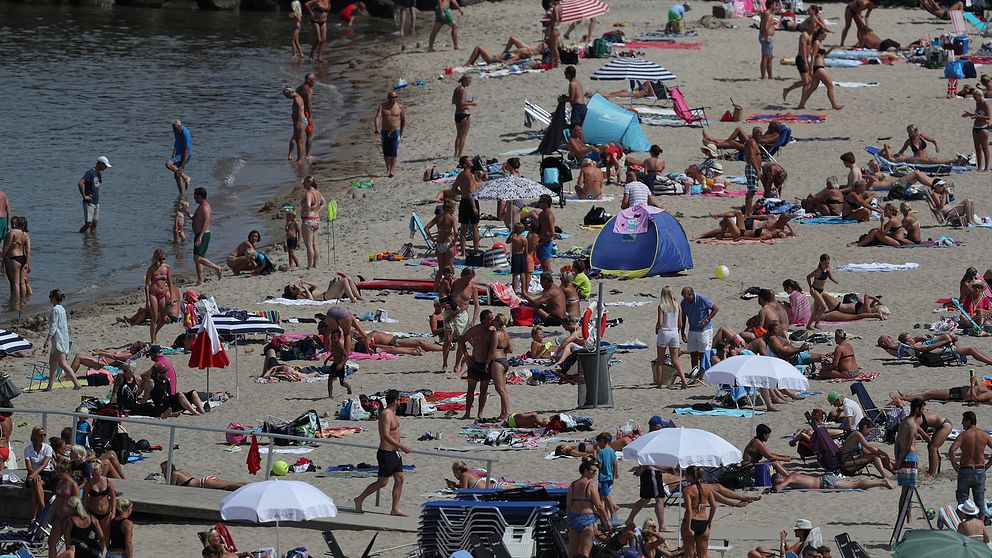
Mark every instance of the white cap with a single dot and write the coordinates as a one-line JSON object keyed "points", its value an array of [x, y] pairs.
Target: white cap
{"points": [[104, 160], [804, 524]]}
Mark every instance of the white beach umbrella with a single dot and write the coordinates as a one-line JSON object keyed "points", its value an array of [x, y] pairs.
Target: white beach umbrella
{"points": [[756, 371], [511, 188], [275, 500], [634, 69], [681, 447]]}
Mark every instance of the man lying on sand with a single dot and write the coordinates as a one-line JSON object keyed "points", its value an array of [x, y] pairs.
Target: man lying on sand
{"points": [[826, 481], [975, 392], [734, 225], [931, 350], [514, 51]]}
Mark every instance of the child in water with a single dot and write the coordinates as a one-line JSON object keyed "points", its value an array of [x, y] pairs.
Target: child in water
{"points": [[296, 14], [292, 237], [178, 232]]}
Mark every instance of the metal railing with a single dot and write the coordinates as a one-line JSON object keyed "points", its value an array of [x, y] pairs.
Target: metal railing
{"points": [[488, 460]]}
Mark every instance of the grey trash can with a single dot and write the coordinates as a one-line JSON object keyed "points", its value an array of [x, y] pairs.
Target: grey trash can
{"points": [[595, 390]]}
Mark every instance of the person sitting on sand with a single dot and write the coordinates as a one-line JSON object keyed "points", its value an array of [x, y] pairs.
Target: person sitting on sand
{"points": [[938, 197], [549, 306], [802, 531], [589, 185], [917, 142], [939, 11], [605, 153], [804, 436], [911, 232], [889, 230], [972, 524], [709, 168], [734, 225], [828, 201], [514, 51], [826, 481], [539, 348], [182, 477], [857, 451], [858, 202], [240, 260], [842, 364], [756, 451], [977, 304], [339, 287], [931, 350]]}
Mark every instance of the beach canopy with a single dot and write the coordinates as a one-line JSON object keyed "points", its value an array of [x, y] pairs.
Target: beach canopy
{"points": [[11, 342], [232, 324], [608, 123], [756, 371], [681, 447], [511, 188], [943, 543], [577, 10], [663, 249], [276, 500], [634, 69]]}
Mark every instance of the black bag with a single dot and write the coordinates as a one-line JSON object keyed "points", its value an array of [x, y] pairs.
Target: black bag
{"points": [[736, 477], [943, 358], [8, 390], [596, 216], [108, 436]]}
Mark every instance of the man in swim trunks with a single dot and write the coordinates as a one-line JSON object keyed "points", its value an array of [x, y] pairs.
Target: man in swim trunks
{"points": [[389, 122], [468, 207], [442, 17], [550, 305], [576, 97], [750, 147], [182, 150], [305, 90], [456, 320], [89, 189], [482, 337], [545, 233], [388, 455], [201, 235], [906, 458], [766, 35], [971, 469], [931, 350]]}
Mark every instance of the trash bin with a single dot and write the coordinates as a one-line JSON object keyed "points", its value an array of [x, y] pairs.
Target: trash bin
{"points": [[595, 390]]}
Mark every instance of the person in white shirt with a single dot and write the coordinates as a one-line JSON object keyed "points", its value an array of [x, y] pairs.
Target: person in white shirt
{"points": [[637, 193], [38, 461], [851, 409]]}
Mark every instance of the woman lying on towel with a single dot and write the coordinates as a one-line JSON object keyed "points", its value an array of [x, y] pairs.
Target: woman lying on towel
{"points": [[850, 308], [272, 368], [382, 342], [931, 350], [939, 200], [339, 287], [107, 357], [734, 226], [182, 477], [514, 51], [465, 478], [877, 180], [917, 143], [643, 89], [826, 481]]}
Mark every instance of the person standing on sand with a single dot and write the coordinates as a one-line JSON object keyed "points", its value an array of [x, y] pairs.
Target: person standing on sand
{"points": [[852, 14], [388, 456], [389, 122], [468, 207], [804, 61], [462, 102], [408, 8], [697, 313], [58, 338], [305, 91], [310, 208], [89, 189], [766, 36], [182, 150], [576, 97], [482, 337], [545, 233], [201, 234], [300, 124], [973, 465], [444, 240], [905, 453], [456, 318], [442, 17]]}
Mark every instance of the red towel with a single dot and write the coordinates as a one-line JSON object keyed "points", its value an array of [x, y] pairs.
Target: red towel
{"points": [[254, 460]]}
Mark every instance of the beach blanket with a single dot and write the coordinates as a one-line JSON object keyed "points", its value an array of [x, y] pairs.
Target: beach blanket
{"points": [[718, 412], [855, 84], [876, 266], [823, 490], [366, 356], [663, 35], [826, 220], [263, 449], [723, 194], [574, 198], [863, 376], [741, 240], [788, 117], [834, 62], [661, 44], [290, 302]]}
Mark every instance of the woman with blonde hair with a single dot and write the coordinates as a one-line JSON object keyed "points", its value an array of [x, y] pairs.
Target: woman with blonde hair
{"points": [[296, 14], [499, 365], [82, 534], [121, 529], [100, 498], [571, 293], [158, 292], [669, 340]]}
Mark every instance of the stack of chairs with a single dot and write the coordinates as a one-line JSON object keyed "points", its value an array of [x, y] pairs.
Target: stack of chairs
{"points": [[449, 525]]}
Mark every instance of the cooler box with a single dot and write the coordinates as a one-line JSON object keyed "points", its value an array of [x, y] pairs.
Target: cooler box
{"points": [[961, 45], [763, 474]]}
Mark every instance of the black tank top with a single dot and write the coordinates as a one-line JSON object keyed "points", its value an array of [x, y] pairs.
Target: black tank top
{"points": [[85, 541], [117, 541]]}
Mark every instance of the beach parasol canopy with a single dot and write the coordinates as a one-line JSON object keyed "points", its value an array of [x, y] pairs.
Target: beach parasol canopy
{"points": [[944, 543], [756, 371], [237, 323], [577, 10], [276, 500], [681, 447], [634, 69], [11, 342], [207, 351], [511, 188]]}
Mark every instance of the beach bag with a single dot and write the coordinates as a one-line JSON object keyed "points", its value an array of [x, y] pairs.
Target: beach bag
{"points": [[298, 552], [522, 316], [475, 258], [943, 358], [954, 69], [736, 477], [234, 439], [417, 406], [305, 425], [8, 390], [595, 216], [495, 257], [601, 48]]}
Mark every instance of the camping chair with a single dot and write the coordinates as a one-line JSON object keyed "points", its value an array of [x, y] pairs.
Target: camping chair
{"points": [[828, 454], [875, 414], [957, 22], [226, 540], [39, 372], [689, 116], [849, 548], [335, 549], [416, 225]]}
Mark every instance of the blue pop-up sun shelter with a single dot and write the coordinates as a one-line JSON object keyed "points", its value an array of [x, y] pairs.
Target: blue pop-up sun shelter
{"points": [[663, 249], [608, 123]]}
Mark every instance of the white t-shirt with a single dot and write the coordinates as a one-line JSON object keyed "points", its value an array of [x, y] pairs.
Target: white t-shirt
{"points": [[36, 458], [853, 410], [637, 192]]}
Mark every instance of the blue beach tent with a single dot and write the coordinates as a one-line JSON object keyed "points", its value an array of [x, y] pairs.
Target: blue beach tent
{"points": [[663, 249], [608, 123]]}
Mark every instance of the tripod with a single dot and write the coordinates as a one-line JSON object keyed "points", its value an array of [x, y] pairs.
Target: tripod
{"points": [[908, 492]]}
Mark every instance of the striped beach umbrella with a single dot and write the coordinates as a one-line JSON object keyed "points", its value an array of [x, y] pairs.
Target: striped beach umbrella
{"points": [[11, 342], [228, 324], [634, 69], [511, 188], [577, 10]]}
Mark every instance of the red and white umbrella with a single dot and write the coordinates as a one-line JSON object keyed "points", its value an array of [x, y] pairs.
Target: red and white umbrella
{"points": [[577, 10], [207, 351]]}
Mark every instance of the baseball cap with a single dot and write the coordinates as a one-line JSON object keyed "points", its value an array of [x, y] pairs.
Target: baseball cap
{"points": [[804, 524], [154, 349], [104, 160], [656, 421], [833, 396]]}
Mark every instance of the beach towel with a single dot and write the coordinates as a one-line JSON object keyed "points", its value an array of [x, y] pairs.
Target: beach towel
{"points": [[741, 240], [788, 117], [901, 167], [826, 220], [824, 490], [290, 302], [505, 294], [629, 304], [366, 356], [263, 449], [855, 84], [876, 266], [863, 376], [663, 35], [723, 194], [835, 62], [574, 198], [632, 344], [661, 44], [718, 412]]}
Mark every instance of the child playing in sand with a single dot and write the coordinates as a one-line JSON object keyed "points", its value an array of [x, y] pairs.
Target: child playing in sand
{"points": [[533, 237], [292, 237], [539, 348], [178, 232], [518, 259], [339, 360]]}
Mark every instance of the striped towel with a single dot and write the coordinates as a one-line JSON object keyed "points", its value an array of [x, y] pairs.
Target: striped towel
{"points": [[271, 315]]}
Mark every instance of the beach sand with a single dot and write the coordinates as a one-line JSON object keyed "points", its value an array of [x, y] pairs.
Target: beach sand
{"points": [[375, 220]]}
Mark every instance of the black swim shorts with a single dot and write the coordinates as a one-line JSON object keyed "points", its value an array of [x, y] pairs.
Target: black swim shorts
{"points": [[468, 212], [389, 462]]}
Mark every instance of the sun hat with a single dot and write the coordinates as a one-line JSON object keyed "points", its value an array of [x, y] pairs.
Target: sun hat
{"points": [[833, 396], [717, 168], [104, 160], [710, 149], [804, 524], [968, 508]]}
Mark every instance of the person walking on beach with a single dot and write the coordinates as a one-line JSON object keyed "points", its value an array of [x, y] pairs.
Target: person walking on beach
{"points": [[390, 120], [766, 36], [58, 339], [576, 97], [318, 11], [697, 313], [305, 90], [89, 189], [818, 73], [408, 8], [388, 456], [300, 124], [804, 61], [201, 234], [545, 233], [973, 465], [311, 206], [462, 102], [296, 14], [468, 207], [442, 17], [182, 150]]}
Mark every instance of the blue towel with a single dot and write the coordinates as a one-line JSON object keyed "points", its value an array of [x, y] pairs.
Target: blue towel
{"points": [[827, 220], [717, 412]]}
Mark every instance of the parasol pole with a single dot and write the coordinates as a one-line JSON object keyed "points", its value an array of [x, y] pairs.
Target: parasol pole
{"points": [[208, 381], [237, 381], [277, 538]]}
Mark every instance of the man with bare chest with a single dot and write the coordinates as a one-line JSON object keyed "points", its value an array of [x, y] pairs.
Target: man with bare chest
{"points": [[389, 123]]}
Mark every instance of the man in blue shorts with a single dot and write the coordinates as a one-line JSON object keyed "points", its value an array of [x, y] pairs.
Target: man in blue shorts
{"points": [[545, 233], [389, 122], [182, 150], [89, 189]]}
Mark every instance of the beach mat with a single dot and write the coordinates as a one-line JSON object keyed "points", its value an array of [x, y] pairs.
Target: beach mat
{"points": [[788, 117], [827, 220], [739, 241], [61, 384], [863, 376], [746, 413], [662, 44]]}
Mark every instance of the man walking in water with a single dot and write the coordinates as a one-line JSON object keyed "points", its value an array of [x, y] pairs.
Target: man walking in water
{"points": [[971, 469], [388, 456], [201, 234], [442, 17], [305, 91], [89, 189], [906, 458], [182, 150], [389, 122]]}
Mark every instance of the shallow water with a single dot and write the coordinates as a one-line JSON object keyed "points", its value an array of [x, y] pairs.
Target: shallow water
{"points": [[81, 82]]}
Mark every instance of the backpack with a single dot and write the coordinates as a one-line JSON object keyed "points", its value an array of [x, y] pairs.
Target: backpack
{"points": [[235, 439], [596, 216]]}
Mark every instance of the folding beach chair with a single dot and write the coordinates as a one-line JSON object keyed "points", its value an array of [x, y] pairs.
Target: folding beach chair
{"points": [[828, 454], [849, 548], [689, 116], [535, 115], [39, 372], [416, 225], [957, 22], [875, 414]]}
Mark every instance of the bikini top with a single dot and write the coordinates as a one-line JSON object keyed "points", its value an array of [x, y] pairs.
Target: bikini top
{"points": [[824, 275], [160, 277], [100, 493], [917, 148]]}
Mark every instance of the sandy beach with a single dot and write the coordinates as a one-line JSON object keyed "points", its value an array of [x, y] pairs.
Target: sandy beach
{"points": [[375, 220]]}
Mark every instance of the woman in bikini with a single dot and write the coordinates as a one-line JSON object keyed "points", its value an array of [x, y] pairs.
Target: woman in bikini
{"points": [[121, 528], [181, 477], [238, 260], [296, 14], [338, 288], [583, 504], [318, 11], [311, 206], [445, 241], [158, 292], [700, 507], [382, 342], [910, 233], [818, 72], [571, 293], [464, 478], [887, 232], [939, 200], [551, 20], [17, 260], [100, 498], [842, 365], [462, 104], [980, 129], [65, 488], [852, 307], [499, 365], [817, 280], [917, 142]]}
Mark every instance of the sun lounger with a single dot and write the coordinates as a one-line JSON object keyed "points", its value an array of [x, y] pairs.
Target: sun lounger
{"points": [[535, 115], [690, 116], [895, 167]]}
